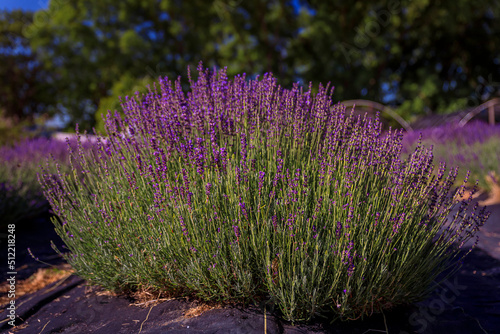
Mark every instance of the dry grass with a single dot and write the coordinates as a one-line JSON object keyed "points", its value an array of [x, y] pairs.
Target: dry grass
{"points": [[200, 309], [35, 282], [149, 297], [494, 195]]}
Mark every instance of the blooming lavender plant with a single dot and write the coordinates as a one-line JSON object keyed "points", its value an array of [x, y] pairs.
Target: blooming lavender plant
{"points": [[241, 190]]}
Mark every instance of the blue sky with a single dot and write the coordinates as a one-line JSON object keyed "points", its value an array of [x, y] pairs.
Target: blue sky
{"points": [[24, 4]]}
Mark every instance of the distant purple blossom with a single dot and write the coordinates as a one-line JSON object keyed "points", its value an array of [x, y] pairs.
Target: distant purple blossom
{"points": [[472, 132]]}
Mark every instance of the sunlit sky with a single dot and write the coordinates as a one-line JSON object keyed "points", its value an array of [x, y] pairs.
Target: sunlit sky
{"points": [[24, 4]]}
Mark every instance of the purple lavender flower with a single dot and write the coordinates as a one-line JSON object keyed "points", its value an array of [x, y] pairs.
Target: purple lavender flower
{"points": [[261, 181], [243, 209], [237, 232]]}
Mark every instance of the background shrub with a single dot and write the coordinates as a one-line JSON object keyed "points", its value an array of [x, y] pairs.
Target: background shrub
{"points": [[21, 195], [474, 148], [241, 190]]}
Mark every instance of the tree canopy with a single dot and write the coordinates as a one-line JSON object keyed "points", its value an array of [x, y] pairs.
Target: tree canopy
{"points": [[418, 56], [26, 88]]}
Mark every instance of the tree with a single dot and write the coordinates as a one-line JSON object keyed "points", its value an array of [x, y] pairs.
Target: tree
{"points": [[25, 89], [102, 48], [416, 55]]}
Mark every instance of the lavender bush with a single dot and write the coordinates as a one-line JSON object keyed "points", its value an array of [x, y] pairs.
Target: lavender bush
{"points": [[241, 190], [473, 147]]}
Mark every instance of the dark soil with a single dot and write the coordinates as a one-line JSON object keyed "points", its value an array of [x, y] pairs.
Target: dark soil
{"points": [[36, 235], [468, 302]]}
